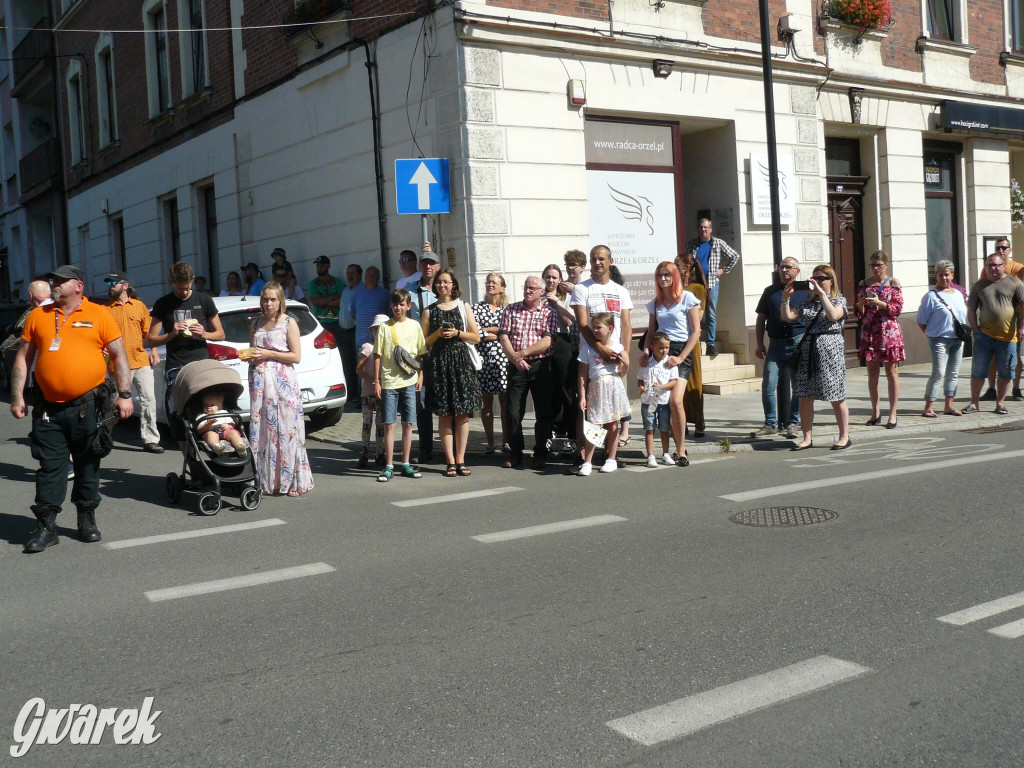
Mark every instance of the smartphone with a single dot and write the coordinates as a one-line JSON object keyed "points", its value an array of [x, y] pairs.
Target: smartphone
{"points": [[447, 324], [801, 285]]}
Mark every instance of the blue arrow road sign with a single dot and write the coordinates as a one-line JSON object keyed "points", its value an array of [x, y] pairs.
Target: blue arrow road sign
{"points": [[422, 185]]}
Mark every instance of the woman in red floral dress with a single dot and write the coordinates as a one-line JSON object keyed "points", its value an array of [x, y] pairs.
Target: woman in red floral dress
{"points": [[879, 303]]}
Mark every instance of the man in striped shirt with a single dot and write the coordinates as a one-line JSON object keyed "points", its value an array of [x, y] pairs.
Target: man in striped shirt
{"points": [[525, 332], [717, 258], [133, 319]]}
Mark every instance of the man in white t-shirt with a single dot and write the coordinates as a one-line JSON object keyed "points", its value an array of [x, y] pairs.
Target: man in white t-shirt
{"points": [[601, 294]]}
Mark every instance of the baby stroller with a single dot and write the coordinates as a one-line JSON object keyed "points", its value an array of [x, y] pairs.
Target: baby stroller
{"points": [[210, 473]]}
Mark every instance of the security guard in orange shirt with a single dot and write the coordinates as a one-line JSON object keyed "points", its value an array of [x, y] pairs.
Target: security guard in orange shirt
{"points": [[67, 340]]}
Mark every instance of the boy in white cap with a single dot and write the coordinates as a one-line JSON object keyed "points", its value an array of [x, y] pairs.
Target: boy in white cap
{"points": [[371, 405]]}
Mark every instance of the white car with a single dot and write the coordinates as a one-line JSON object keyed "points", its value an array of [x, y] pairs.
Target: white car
{"points": [[321, 376]]}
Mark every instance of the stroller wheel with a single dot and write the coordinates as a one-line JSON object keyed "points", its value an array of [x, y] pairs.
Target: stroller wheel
{"points": [[250, 498], [209, 504], [174, 486]]}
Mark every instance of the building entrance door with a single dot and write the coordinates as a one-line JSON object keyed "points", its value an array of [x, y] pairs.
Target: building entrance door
{"points": [[846, 247]]}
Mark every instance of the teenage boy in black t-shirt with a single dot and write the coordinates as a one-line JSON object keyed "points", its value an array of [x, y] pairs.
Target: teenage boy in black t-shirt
{"points": [[185, 339]]}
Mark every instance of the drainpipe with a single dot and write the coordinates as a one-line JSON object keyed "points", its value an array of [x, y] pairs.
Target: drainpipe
{"points": [[373, 80]]}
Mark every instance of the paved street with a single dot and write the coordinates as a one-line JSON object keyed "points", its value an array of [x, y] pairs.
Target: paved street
{"points": [[517, 618]]}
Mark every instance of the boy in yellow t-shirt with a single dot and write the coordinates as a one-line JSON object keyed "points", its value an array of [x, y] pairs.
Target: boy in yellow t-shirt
{"points": [[394, 387]]}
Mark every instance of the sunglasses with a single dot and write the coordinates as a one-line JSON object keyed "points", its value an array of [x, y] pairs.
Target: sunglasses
{"points": [[405, 260], [819, 278], [111, 282], [1002, 247]]}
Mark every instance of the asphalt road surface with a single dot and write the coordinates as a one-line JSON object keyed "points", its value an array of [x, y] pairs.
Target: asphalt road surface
{"points": [[517, 618]]}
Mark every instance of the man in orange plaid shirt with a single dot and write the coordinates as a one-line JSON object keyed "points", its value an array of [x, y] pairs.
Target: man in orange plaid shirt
{"points": [[133, 319]]}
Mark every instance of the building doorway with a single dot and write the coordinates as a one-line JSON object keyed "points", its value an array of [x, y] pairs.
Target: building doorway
{"points": [[846, 188]]}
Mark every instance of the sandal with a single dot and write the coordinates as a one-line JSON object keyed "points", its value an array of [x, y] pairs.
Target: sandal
{"points": [[930, 415], [1001, 410], [463, 470], [385, 474], [682, 461], [624, 443], [953, 412], [449, 470], [969, 410], [409, 470]]}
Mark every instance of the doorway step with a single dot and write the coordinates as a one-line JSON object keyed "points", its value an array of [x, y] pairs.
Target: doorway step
{"points": [[727, 374]]}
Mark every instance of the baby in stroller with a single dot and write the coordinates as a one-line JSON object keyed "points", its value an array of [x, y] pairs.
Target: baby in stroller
{"points": [[219, 430], [205, 395]]}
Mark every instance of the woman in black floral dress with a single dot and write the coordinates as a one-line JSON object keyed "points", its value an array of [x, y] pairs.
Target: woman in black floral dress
{"points": [[494, 374], [453, 391]]}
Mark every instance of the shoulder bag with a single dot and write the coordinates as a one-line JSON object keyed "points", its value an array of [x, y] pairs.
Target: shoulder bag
{"points": [[474, 355], [406, 362], [962, 331]]}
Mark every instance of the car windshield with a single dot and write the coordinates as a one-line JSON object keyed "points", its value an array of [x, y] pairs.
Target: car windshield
{"points": [[236, 324]]}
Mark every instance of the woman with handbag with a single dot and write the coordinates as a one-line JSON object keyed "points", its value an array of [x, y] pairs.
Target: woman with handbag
{"points": [[878, 307], [943, 317], [820, 358], [453, 390], [493, 375]]}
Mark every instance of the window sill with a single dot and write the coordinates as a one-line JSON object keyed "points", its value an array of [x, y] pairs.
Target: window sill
{"points": [[110, 149], [1011, 59], [933, 45], [81, 166], [163, 117], [197, 98]]}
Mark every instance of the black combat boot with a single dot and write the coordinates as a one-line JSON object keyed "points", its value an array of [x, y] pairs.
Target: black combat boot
{"points": [[45, 534], [87, 530]]}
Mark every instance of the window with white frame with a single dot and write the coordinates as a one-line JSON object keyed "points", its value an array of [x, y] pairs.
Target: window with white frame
{"points": [[158, 75], [1015, 14], [944, 20], [195, 74], [106, 95], [76, 112]]}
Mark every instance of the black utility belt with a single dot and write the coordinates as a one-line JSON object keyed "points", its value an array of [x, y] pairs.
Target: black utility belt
{"points": [[88, 397]]}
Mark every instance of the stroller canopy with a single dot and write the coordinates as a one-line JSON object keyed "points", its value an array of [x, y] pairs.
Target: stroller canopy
{"points": [[197, 376]]}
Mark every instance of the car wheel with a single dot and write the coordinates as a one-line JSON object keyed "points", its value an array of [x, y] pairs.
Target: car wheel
{"points": [[174, 486], [250, 498], [322, 420], [209, 504]]}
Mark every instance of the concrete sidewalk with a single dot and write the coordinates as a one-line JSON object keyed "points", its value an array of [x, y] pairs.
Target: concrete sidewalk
{"points": [[732, 418]]}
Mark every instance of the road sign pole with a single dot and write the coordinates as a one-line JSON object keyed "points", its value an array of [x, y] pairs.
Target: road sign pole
{"points": [[425, 221]]}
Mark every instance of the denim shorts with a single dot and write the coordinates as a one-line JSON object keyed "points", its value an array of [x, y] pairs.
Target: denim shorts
{"points": [[985, 348], [405, 398], [656, 417]]}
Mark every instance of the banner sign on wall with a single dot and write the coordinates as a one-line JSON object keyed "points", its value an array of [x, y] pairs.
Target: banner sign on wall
{"points": [[634, 214], [760, 193]]}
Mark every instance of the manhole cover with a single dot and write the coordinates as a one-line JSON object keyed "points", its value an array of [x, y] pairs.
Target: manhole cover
{"points": [[990, 430], [782, 517]]}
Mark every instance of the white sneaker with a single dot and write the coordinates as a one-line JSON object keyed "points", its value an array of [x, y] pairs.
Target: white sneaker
{"points": [[610, 466], [652, 461], [667, 460], [585, 469]]}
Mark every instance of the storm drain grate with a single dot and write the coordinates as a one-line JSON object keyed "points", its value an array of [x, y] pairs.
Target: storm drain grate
{"points": [[990, 430], [782, 517]]}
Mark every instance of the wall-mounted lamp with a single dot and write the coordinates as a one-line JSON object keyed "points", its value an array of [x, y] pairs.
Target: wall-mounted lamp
{"points": [[662, 67]]}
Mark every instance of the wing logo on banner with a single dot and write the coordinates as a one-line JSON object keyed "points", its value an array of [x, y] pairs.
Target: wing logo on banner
{"points": [[632, 209], [767, 174]]}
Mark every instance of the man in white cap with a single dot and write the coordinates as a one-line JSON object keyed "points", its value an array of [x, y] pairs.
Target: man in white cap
{"points": [[372, 412]]}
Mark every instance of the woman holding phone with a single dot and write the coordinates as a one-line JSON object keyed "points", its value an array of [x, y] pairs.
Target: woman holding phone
{"points": [[821, 364], [453, 390], [878, 307]]}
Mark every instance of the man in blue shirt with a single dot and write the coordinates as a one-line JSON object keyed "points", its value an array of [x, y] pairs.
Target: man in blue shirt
{"points": [[783, 337], [254, 281], [368, 301], [347, 328]]}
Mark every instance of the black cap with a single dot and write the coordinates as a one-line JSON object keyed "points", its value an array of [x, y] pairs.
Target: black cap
{"points": [[116, 277], [279, 252], [67, 272], [322, 260], [251, 265]]}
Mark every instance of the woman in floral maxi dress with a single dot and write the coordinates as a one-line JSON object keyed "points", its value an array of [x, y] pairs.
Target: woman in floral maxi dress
{"points": [[878, 307], [276, 429]]}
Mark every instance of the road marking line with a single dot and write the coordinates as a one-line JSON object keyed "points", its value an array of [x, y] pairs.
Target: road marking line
{"points": [[983, 611], [456, 497], [702, 710], [124, 543], [693, 463], [254, 579], [825, 482], [1013, 630], [540, 530]]}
